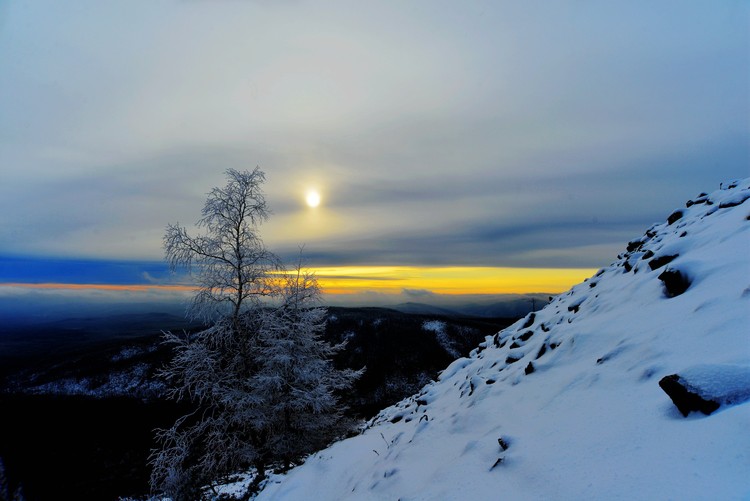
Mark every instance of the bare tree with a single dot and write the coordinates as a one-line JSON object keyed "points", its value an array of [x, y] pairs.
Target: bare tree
{"points": [[230, 261], [260, 377]]}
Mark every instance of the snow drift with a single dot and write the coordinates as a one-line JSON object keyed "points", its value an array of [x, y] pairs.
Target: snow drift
{"points": [[565, 404]]}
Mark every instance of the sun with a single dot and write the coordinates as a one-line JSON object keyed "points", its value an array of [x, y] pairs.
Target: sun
{"points": [[312, 199]]}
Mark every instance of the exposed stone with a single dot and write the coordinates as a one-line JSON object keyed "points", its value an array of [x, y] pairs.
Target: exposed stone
{"points": [[503, 443], [660, 261], [542, 351], [674, 217], [635, 245], [526, 335], [685, 399], [529, 321], [735, 202], [701, 200], [675, 282], [529, 369]]}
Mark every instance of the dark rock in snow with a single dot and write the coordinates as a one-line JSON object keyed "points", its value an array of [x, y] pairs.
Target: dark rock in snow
{"points": [[526, 336], [503, 443], [674, 217], [734, 202], [675, 282], [660, 261], [542, 351], [529, 369], [635, 245], [700, 200], [529, 321], [705, 388], [686, 400]]}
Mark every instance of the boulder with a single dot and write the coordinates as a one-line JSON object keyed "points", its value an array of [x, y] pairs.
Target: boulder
{"points": [[675, 282], [707, 387]]}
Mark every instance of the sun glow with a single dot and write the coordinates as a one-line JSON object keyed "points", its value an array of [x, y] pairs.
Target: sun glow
{"points": [[448, 280], [313, 198]]}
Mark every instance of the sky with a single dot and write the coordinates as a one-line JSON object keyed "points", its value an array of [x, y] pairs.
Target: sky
{"points": [[493, 140]]}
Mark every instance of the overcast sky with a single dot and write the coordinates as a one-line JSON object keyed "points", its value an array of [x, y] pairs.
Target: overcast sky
{"points": [[437, 132]]}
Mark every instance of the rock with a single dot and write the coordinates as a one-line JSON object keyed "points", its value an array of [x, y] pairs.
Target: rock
{"points": [[675, 282], [542, 351], [503, 443], [660, 261], [529, 369], [686, 400], [635, 245], [529, 321], [674, 217], [705, 388], [526, 336]]}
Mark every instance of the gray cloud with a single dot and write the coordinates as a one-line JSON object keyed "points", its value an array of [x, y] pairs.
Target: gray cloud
{"points": [[484, 134]]}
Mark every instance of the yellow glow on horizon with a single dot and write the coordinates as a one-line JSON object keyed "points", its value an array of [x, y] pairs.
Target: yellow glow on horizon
{"points": [[394, 279], [448, 280]]}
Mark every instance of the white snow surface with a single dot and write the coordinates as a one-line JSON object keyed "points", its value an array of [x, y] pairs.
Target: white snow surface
{"points": [[590, 422], [724, 384], [439, 327]]}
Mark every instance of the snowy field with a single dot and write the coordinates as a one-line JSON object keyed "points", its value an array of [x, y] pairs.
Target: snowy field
{"points": [[565, 404]]}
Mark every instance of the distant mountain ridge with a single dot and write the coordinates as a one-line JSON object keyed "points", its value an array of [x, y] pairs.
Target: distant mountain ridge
{"points": [[511, 306], [566, 403]]}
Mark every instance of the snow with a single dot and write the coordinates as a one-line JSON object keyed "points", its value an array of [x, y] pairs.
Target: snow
{"points": [[439, 328], [590, 421], [135, 381], [725, 384]]}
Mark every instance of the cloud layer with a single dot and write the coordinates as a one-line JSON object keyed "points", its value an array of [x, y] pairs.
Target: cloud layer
{"points": [[482, 134]]}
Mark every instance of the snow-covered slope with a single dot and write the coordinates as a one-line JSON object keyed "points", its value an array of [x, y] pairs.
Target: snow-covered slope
{"points": [[565, 404]]}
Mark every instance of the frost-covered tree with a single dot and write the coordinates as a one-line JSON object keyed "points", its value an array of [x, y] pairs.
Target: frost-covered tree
{"points": [[260, 377], [296, 380]]}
